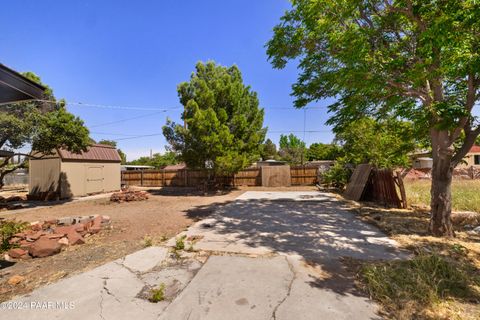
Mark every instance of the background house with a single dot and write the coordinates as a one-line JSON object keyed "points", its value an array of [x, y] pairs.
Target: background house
{"points": [[472, 158], [70, 175], [423, 160]]}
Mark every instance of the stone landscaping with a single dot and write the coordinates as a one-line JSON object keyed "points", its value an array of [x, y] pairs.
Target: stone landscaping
{"points": [[129, 195], [43, 239]]}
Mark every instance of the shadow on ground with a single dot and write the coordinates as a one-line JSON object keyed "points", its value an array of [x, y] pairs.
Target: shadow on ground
{"points": [[322, 231]]}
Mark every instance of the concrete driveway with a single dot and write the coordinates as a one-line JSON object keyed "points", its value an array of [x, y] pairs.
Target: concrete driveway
{"points": [[267, 255]]}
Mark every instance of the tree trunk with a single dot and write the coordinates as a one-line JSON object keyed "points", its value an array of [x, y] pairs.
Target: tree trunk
{"points": [[441, 195]]}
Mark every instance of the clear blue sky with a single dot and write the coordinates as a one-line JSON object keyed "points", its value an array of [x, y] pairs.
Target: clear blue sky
{"points": [[134, 53]]}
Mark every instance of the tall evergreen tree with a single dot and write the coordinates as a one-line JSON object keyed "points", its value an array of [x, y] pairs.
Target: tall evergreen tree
{"points": [[223, 124]]}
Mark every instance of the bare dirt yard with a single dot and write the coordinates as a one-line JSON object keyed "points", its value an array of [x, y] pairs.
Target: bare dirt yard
{"points": [[134, 225]]}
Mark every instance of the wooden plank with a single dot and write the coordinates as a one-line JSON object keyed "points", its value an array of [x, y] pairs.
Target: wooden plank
{"points": [[358, 182]]}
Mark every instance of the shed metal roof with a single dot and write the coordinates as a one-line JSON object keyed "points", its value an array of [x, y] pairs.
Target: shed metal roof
{"points": [[96, 152]]}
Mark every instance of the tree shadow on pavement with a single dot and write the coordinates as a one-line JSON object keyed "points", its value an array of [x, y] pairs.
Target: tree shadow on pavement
{"points": [[322, 232]]}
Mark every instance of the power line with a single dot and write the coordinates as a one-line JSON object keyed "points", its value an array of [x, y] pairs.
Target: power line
{"points": [[129, 137], [126, 119], [146, 108]]}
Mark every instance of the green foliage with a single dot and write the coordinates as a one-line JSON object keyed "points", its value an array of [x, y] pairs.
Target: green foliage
{"points": [[157, 160], [180, 243], [292, 149], [412, 60], [323, 151], [158, 294], [423, 280], [7, 229], [269, 150], [113, 143], [43, 126], [384, 143], [223, 122], [337, 176]]}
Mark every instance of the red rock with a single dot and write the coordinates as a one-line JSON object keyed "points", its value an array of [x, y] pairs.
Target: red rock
{"points": [[24, 244], [106, 219], [14, 240], [36, 235], [44, 247], [79, 227], [74, 238], [51, 221], [16, 279], [63, 241], [20, 235], [55, 236], [64, 229], [37, 226], [96, 225], [16, 253]]}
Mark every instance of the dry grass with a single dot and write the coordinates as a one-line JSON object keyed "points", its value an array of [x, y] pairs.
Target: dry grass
{"points": [[445, 272], [465, 194]]}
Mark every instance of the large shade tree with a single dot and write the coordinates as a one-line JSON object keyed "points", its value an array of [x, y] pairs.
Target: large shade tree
{"points": [[415, 59], [39, 126], [223, 124], [383, 143]]}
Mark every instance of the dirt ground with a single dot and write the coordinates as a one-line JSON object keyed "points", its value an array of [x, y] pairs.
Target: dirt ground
{"points": [[133, 226], [165, 214]]}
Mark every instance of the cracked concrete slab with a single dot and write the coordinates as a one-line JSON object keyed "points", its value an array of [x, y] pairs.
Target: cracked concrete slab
{"points": [[107, 292], [230, 287], [314, 225], [146, 259], [271, 255], [311, 297]]}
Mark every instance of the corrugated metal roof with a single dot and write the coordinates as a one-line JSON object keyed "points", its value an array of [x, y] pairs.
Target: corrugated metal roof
{"points": [[96, 152]]}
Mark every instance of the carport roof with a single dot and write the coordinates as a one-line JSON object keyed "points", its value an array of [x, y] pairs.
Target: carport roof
{"points": [[15, 87], [96, 153]]}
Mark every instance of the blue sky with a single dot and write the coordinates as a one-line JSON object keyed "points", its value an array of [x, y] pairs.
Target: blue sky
{"points": [[134, 53]]}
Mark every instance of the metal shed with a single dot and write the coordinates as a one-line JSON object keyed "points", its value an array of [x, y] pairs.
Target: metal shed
{"points": [[71, 175]]}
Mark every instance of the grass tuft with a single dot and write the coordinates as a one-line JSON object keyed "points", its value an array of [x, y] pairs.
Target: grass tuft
{"points": [[147, 241], [417, 284], [465, 194]]}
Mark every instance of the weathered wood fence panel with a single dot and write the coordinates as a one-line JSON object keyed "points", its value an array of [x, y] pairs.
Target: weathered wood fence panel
{"points": [[303, 176], [195, 178]]}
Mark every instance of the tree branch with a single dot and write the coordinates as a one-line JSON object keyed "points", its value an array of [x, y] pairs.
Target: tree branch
{"points": [[470, 137], [409, 91]]}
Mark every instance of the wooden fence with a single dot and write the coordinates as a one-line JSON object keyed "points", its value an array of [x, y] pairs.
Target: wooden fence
{"points": [[195, 178]]}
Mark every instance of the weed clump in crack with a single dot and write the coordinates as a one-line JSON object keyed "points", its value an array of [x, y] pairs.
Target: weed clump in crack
{"points": [[158, 294], [180, 243]]}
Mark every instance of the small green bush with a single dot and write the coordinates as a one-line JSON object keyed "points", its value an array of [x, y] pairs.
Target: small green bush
{"points": [[7, 229], [337, 176]]}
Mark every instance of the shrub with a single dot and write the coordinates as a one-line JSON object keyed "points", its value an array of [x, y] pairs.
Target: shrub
{"points": [[337, 176], [7, 229]]}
